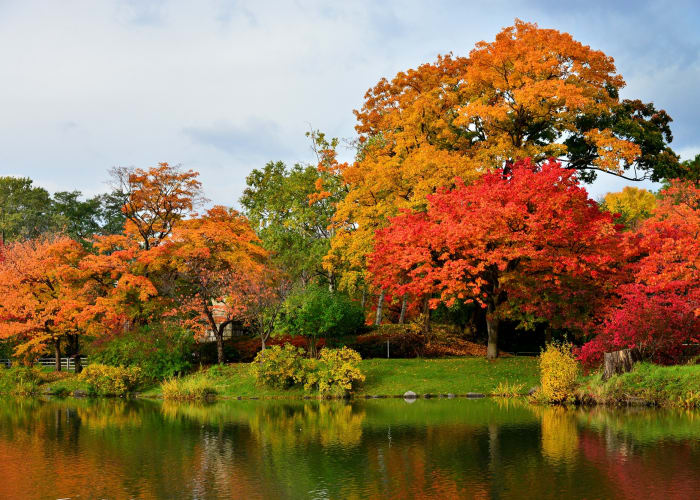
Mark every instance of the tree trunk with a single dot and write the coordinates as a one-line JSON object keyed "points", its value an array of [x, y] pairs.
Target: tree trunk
{"points": [[77, 365], [219, 332], [492, 328], [619, 362], [426, 315], [380, 305], [57, 353], [402, 316]]}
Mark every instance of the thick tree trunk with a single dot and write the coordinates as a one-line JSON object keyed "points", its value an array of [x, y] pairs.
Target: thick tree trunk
{"points": [[619, 362], [380, 306], [57, 353], [492, 327], [402, 316]]}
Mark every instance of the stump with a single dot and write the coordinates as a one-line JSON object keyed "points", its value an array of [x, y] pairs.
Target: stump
{"points": [[619, 362]]}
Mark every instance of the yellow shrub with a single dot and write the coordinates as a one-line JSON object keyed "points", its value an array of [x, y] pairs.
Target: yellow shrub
{"points": [[335, 372], [279, 366], [105, 380], [558, 370]]}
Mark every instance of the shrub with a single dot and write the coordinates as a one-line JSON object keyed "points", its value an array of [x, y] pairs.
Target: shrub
{"points": [[317, 312], [160, 351], [336, 372], [279, 366], [105, 380], [187, 389], [558, 370], [658, 324]]}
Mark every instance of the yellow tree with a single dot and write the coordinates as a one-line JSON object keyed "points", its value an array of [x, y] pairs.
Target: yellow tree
{"points": [[634, 205]]}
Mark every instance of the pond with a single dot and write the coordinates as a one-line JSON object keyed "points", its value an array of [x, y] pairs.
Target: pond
{"points": [[438, 448]]}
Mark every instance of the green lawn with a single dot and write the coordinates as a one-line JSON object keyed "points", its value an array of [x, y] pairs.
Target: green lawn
{"points": [[392, 377]]}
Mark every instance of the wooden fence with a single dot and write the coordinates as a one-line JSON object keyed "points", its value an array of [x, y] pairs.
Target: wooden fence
{"points": [[66, 363]]}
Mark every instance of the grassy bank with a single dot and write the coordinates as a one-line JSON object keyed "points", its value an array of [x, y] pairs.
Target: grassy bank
{"points": [[646, 383], [390, 377], [24, 381]]}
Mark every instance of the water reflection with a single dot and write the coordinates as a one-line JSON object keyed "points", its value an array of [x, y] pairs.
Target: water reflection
{"points": [[367, 449]]}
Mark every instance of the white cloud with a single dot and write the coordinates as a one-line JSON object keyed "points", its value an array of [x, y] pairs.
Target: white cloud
{"points": [[224, 86]]}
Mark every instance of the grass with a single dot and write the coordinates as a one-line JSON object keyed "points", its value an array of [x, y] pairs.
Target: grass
{"points": [[391, 377], [194, 388], [659, 385]]}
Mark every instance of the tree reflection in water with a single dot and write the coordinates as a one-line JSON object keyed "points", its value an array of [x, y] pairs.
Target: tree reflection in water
{"points": [[330, 449]]}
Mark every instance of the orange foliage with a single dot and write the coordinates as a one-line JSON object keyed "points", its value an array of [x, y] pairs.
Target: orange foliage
{"points": [[519, 96], [157, 199], [39, 284], [219, 266]]}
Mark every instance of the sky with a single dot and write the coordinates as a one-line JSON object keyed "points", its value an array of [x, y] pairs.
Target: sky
{"points": [[223, 87]]}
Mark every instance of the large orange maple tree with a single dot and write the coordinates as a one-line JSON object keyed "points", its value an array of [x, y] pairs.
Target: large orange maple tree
{"points": [[531, 92], [526, 243]]}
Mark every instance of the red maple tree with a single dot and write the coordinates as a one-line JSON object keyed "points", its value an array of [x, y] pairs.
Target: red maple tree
{"points": [[525, 242]]}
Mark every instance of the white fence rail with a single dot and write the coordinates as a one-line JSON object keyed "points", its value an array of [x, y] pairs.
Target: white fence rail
{"points": [[66, 363]]}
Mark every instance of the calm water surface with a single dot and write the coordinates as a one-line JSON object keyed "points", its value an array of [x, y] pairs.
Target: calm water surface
{"points": [[368, 449]]}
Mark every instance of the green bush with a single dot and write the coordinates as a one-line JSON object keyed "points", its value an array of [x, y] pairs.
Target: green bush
{"points": [[559, 370], [278, 366], [160, 351], [317, 312], [187, 389], [336, 371], [105, 380]]}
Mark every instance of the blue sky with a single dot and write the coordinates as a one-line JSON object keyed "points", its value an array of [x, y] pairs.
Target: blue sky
{"points": [[225, 86]]}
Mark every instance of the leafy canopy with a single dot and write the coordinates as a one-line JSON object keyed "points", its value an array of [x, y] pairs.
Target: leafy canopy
{"points": [[527, 244]]}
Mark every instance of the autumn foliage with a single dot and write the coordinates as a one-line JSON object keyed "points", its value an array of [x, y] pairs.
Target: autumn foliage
{"points": [[524, 243], [465, 194], [531, 93], [659, 310]]}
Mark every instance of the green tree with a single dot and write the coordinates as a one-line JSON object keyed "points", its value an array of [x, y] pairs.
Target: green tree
{"points": [[81, 219], [293, 226], [315, 312], [77, 218], [24, 209]]}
